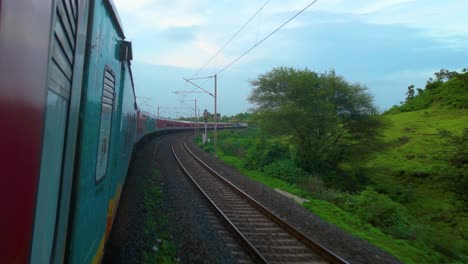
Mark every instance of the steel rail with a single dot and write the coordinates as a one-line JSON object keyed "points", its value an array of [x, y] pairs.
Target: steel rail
{"points": [[309, 242], [251, 250]]}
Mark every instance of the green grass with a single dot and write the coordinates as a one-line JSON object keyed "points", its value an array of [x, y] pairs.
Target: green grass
{"points": [[333, 214], [427, 150], [414, 184], [433, 240], [159, 247]]}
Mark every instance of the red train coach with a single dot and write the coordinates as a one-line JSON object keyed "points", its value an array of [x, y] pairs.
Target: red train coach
{"points": [[26, 39]]}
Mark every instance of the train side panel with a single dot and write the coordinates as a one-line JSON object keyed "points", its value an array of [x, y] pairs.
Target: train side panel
{"points": [[60, 131], [24, 29], [124, 134], [99, 116], [141, 125]]}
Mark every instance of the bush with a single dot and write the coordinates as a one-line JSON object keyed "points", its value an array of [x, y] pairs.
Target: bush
{"points": [[347, 178], [265, 152], [380, 211], [319, 190], [285, 170]]}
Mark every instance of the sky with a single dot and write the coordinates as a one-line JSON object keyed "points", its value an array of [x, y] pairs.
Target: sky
{"points": [[385, 45]]}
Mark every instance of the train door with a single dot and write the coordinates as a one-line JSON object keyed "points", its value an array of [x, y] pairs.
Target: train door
{"points": [[59, 135]]}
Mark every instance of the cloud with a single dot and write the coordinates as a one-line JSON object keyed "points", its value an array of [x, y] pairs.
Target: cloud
{"points": [[160, 15], [180, 34], [442, 21], [191, 54], [387, 44]]}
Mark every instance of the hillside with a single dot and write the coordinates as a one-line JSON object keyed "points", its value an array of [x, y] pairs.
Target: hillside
{"points": [[413, 171], [425, 166], [405, 194]]}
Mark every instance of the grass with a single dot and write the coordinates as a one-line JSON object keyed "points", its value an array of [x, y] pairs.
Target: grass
{"points": [[158, 243], [425, 151], [333, 214], [438, 233]]}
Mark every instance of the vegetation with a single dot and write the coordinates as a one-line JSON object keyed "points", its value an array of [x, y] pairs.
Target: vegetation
{"points": [[241, 117], [448, 89], [159, 247], [408, 196], [328, 120]]}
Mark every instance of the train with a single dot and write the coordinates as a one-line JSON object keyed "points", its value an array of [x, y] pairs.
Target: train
{"points": [[70, 123]]}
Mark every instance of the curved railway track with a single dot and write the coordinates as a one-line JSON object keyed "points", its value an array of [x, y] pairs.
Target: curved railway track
{"points": [[263, 235]]}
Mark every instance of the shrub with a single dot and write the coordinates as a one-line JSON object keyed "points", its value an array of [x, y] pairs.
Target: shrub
{"points": [[379, 210], [264, 152], [285, 170], [319, 190]]}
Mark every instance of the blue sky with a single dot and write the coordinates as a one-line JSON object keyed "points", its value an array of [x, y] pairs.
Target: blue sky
{"points": [[385, 45]]}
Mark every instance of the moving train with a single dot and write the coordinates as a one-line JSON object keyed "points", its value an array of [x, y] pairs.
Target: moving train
{"points": [[69, 124]]}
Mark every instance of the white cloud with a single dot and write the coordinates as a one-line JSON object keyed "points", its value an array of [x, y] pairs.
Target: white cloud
{"points": [[189, 55], [215, 22], [443, 21], [161, 14]]}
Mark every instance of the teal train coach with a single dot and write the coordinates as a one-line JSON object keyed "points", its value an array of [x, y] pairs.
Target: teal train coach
{"points": [[70, 123]]}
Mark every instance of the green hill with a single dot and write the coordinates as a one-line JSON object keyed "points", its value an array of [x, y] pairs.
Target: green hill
{"points": [[449, 90], [413, 171], [408, 194], [425, 166]]}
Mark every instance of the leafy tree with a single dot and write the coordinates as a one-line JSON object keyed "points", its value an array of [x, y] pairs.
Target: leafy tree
{"points": [[444, 75], [410, 93], [328, 119]]}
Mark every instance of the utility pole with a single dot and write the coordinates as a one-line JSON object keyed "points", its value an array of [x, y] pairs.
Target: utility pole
{"points": [[198, 120], [215, 111], [195, 116], [205, 136], [215, 96]]}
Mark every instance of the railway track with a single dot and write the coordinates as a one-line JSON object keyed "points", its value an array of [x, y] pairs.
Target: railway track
{"points": [[263, 235]]}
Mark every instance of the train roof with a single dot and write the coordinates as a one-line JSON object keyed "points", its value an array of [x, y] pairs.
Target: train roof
{"points": [[115, 17], [118, 22]]}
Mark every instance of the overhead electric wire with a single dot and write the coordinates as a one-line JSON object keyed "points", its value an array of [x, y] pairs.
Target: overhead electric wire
{"points": [[261, 41], [269, 35], [229, 41]]}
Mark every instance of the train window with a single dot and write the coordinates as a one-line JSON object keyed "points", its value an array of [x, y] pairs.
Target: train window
{"points": [[108, 92]]}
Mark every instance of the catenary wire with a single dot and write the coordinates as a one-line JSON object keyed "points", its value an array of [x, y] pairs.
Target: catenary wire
{"points": [[229, 41], [269, 35]]}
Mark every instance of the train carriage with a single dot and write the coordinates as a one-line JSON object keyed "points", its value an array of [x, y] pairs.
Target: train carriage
{"points": [[69, 126], [41, 59]]}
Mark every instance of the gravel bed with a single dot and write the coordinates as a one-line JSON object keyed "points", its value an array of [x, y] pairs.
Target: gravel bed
{"points": [[196, 232], [350, 248], [125, 244]]}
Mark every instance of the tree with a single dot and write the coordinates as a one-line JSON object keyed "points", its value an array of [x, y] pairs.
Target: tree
{"points": [[328, 119], [410, 93], [444, 75]]}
